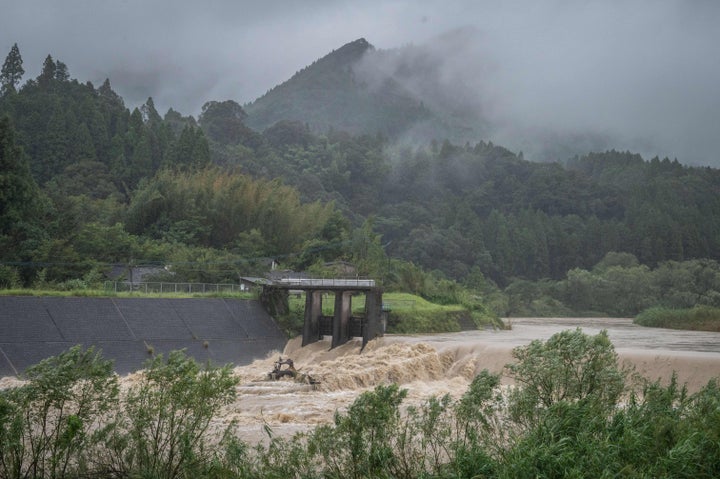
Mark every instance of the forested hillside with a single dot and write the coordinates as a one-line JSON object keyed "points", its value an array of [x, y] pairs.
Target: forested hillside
{"points": [[88, 183], [455, 208], [349, 90]]}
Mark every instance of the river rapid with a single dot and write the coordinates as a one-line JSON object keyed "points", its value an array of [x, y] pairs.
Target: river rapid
{"points": [[435, 364], [438, 364]]}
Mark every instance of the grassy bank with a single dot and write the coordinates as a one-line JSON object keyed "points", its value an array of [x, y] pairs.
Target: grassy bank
{"points": [[407, 314], [699, 318]]}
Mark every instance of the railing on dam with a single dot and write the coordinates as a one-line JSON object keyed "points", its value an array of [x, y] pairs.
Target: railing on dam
{"points": [[162, 287], [326, 282]]}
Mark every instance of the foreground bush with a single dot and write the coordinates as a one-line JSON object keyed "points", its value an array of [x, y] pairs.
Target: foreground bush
{"points": [[161, 430], [49, 426], [572, 413], [569, 367], [68, 419]]}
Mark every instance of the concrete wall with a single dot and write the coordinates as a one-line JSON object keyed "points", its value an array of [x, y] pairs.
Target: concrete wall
{"points": [[220, 330]]}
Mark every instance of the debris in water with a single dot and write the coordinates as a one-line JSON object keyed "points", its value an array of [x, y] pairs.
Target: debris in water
{"points": [[286, 368]]}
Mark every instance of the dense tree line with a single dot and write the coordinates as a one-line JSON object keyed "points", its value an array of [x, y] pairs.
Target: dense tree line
{"points": [[96, 183], [452, 208], [618, 285], [88, 183], [75, 130]]}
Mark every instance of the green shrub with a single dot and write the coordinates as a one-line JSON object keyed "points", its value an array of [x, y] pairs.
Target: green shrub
{"points": [[567, 441], [570, 366], [696, 453], [646, 429], [50, 424], [477, 431], [359, 444], [9, 277], [161, 431]]}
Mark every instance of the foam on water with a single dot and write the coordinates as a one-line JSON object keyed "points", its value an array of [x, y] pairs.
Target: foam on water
{"points": [[432, 365]]}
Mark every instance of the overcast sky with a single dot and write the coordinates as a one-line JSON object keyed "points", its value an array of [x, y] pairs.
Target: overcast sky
{"points": [[644, 73]]}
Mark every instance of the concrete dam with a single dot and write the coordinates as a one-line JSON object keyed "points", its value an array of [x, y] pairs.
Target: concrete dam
{"points": [[130, 330]]}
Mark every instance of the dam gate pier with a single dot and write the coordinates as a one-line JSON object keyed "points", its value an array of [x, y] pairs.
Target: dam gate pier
{"points": [[342, 325]]}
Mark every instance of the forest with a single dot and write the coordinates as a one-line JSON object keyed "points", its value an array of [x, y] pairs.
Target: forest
{"points": [[88, 184]]}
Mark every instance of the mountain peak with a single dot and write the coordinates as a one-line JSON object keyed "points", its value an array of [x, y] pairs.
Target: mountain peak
{"points": [[332, 92], [348, 53]]}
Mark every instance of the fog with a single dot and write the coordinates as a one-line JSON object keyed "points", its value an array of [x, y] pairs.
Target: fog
{"points": [[639, 75]]}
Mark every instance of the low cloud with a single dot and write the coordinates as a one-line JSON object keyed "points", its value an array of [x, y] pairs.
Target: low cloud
{"points": [[638, 74]]}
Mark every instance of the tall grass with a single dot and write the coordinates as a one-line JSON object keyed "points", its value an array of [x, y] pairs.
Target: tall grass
{"points": [[699, 318], [409, 314]]}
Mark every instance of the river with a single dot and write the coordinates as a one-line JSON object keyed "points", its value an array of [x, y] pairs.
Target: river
{"points": [[437, 364]]}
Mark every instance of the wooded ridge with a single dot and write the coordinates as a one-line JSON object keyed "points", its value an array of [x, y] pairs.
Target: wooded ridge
{"points": [[88, 183]]}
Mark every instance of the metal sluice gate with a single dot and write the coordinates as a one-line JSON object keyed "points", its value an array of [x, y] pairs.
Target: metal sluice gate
{"points": [[342, 325]]}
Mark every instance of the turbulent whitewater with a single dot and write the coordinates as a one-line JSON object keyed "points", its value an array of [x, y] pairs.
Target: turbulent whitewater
{"points": [[437, 364], [441, 364]]}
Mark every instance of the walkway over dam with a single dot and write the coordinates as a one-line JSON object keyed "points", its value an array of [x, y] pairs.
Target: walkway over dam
{"points": [[342, 325]]}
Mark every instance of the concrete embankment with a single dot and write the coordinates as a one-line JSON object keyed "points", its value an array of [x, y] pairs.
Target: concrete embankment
{"points": [[131, 330]]}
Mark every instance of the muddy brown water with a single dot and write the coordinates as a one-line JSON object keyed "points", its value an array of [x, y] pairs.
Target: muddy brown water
{"points": [[438, 364], [623, 333]]}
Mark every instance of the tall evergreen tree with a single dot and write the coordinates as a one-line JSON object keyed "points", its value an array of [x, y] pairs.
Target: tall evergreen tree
{"points": [[223, 122], [49, 70], [20, 203], [61, 71], [106, 91], [12, 71], [150, 114], [15, 179], [190, 151]]}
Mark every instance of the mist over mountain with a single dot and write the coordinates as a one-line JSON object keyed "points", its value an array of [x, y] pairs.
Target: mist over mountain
{"points": [[404, 93], [634, 75], [330, 94], [414, 94]]}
